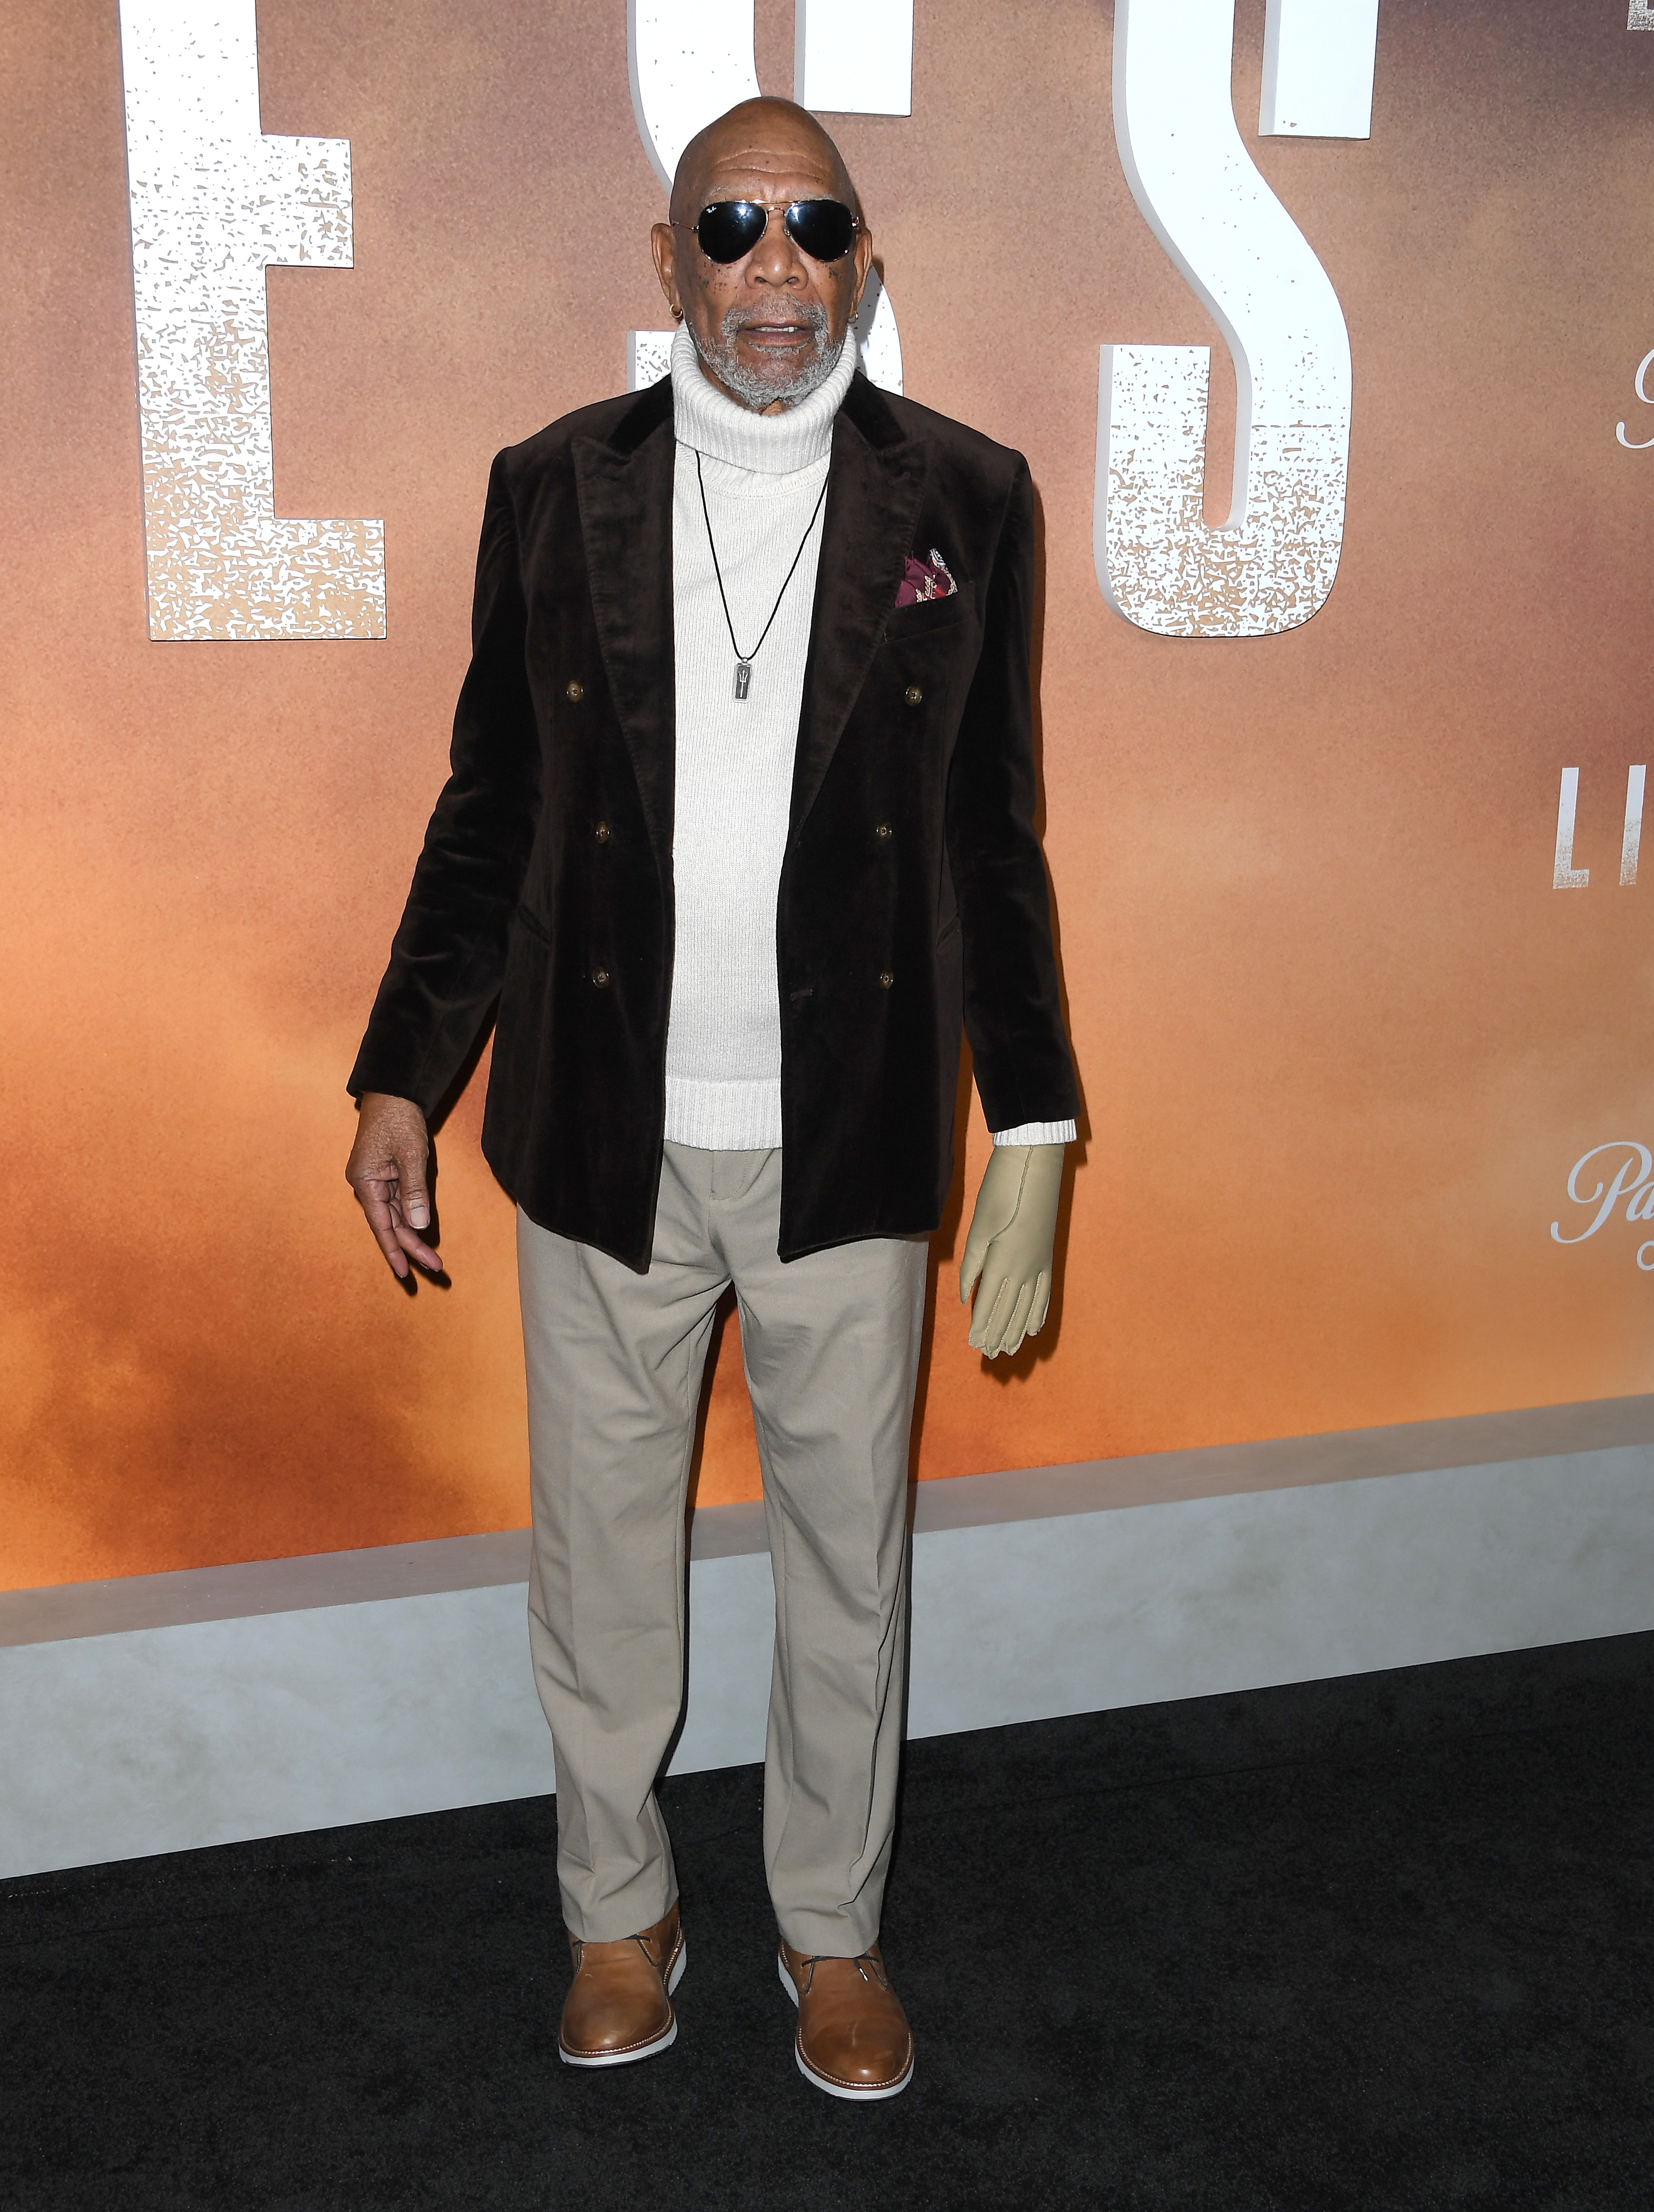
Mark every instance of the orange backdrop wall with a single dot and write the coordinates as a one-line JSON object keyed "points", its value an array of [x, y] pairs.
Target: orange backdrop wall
{"points": [[1341, 1040]]}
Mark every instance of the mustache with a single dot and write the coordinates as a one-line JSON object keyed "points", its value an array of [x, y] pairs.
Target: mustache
{"points": [[810, 313]]}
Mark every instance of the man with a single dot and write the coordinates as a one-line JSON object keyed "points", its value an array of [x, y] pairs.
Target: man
{"points": [[738, 833]]}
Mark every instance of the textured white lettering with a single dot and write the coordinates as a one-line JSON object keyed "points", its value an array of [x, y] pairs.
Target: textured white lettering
{"points": [[1272, 564], [854, 57], [1564, 876], [1630, 841], [1318, 58], [688, 60], [213, 201]]}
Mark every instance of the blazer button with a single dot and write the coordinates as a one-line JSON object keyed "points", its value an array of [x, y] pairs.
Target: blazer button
{"points": [[601, 832], [885, 979], [574, 690], [600, 977], [913, 695], [883, 832]]}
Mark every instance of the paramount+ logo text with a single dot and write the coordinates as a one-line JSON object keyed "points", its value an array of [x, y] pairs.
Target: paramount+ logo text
{"points": [[1602, 1180]]}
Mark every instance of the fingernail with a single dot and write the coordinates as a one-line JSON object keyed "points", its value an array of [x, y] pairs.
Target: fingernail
{"points": [[419, 1215]]}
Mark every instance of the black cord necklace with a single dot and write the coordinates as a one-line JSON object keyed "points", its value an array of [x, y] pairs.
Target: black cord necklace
{"points": [[743, 661]]}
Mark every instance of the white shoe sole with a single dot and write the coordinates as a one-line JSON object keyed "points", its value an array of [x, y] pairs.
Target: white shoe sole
{"points": [[663, 2042], [820, 2081]]}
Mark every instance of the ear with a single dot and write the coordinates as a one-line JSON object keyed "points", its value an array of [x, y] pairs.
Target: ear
{"points": [[862, 251], [662, 240]]}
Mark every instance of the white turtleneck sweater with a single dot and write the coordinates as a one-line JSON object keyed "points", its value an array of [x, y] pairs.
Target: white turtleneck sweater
{"points": [[763, 475]]}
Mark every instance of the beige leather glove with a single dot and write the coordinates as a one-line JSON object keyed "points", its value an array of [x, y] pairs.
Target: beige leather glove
{"points": [[1010, 1246]]}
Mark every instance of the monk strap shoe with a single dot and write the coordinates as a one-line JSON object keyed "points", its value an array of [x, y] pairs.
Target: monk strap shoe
{"points": [[619, 2006], [853, 2039]]}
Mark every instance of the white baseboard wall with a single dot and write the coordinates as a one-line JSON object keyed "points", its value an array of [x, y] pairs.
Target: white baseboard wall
{"points": [[169, 1711]]}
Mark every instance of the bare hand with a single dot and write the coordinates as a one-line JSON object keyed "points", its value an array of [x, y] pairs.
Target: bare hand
{"points": [[1012, 1232], [387, 1169]]}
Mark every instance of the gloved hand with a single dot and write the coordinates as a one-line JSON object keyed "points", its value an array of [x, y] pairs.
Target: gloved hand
{"points": [[1010, 1246]]}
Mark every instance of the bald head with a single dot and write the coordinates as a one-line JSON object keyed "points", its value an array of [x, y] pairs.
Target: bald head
{"points": [[769, 327], [758, 134]]}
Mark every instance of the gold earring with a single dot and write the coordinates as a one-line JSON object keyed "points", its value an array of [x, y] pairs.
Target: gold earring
{"points": [[677, 314]]}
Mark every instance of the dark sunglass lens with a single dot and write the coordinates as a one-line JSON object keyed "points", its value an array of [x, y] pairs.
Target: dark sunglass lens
{"points": [[729, 229], [821, 228]]}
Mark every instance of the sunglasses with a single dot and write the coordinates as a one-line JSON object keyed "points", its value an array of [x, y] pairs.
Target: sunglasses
{"points": [[729, 229]]}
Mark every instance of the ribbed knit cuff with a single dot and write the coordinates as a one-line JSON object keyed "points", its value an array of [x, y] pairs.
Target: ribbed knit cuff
{"points": [[1037, 1132]]}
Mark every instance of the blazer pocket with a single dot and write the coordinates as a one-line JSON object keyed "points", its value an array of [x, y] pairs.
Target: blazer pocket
{"points": [[924, 618]]}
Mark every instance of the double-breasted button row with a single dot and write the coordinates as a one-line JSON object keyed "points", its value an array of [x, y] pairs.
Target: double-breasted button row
{"points": [[884, 831], [600, 976]]}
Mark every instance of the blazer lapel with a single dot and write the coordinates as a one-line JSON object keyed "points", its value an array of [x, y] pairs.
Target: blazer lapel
{"points": [[625, 491], [873, 496]]}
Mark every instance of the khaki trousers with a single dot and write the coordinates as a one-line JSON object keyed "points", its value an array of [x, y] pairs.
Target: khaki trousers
{"points": [[615, 1361]]}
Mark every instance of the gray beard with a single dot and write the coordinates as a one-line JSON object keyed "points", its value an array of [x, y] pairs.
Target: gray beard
{"points": [[759, 391]]}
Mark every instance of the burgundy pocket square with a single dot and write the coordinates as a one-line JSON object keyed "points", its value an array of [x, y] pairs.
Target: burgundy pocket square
{"points": [[925, 579]]}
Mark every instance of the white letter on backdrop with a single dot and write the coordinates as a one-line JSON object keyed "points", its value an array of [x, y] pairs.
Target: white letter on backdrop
{"points": [[1317, 69], [1272, 564], [1564, 876], [854, 57], [689, 60], [213, 202], [1630, 841], [1639, 383], [1632, 1172]]}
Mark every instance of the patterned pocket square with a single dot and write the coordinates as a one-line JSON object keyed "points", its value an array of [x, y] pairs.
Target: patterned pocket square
{"points": [[925, 579]]}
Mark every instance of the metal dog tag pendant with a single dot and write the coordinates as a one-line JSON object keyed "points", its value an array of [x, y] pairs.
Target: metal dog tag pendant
{"points": [[744, 676]]}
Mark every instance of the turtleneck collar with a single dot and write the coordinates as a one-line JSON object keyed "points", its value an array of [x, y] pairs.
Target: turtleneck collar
{"points": [[775, 444]]}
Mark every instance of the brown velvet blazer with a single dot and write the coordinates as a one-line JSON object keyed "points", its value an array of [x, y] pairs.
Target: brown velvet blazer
{"points": [[912, 898]]}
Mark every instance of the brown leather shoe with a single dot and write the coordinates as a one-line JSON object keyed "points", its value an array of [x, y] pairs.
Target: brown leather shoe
{"points": [[619, 2006], [853, 2039]]}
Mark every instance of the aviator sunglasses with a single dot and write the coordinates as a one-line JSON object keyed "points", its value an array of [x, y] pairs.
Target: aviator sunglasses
{"points": [[729, 229]]}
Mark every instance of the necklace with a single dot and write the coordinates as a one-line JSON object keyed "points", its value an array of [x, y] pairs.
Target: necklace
{"points": [[743, 661]]}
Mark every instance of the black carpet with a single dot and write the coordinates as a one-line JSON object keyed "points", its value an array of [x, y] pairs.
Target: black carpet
{"points": [[1385, 1943]]}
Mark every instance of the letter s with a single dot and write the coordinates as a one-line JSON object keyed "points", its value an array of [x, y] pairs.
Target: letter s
{"points": [[1272, 564]]}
